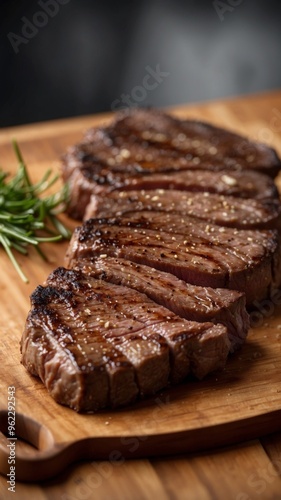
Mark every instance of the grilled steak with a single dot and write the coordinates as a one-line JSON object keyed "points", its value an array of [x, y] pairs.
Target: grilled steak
{"points": [[200, 254], [218, 209], [188, 301], [95, 344], [157, 284], [145, 142]]}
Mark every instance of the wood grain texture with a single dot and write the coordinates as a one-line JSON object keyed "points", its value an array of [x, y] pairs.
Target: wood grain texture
{"points": [[247, 389]]}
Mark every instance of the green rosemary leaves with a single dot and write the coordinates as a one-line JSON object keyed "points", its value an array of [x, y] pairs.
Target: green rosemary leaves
{"points": [[27, 218]]}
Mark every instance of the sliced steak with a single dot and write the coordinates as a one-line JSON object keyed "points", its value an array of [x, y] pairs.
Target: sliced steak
{"points": [[200, 254], [96, 344], [146, 142], [191, 302], [244, 184], [218, 209]]}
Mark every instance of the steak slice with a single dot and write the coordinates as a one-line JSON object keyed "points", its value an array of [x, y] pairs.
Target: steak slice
{"points": [[141, 143], [200, 254], [218, 209], [152, 137], [95, 344], [191, 302], [241, 184]]}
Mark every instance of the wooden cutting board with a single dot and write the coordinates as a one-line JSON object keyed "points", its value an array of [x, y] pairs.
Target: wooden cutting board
{"points": [[241, 402]]}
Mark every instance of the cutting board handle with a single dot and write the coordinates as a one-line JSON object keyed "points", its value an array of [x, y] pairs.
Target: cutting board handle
{"points": [[48, 458], [45, 460]]}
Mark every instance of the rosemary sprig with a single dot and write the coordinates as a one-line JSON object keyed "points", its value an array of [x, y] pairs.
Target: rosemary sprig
{"points": [[27, 218]]}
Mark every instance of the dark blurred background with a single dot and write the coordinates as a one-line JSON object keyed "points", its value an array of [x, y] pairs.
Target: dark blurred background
{"points": [[63, 58]]}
